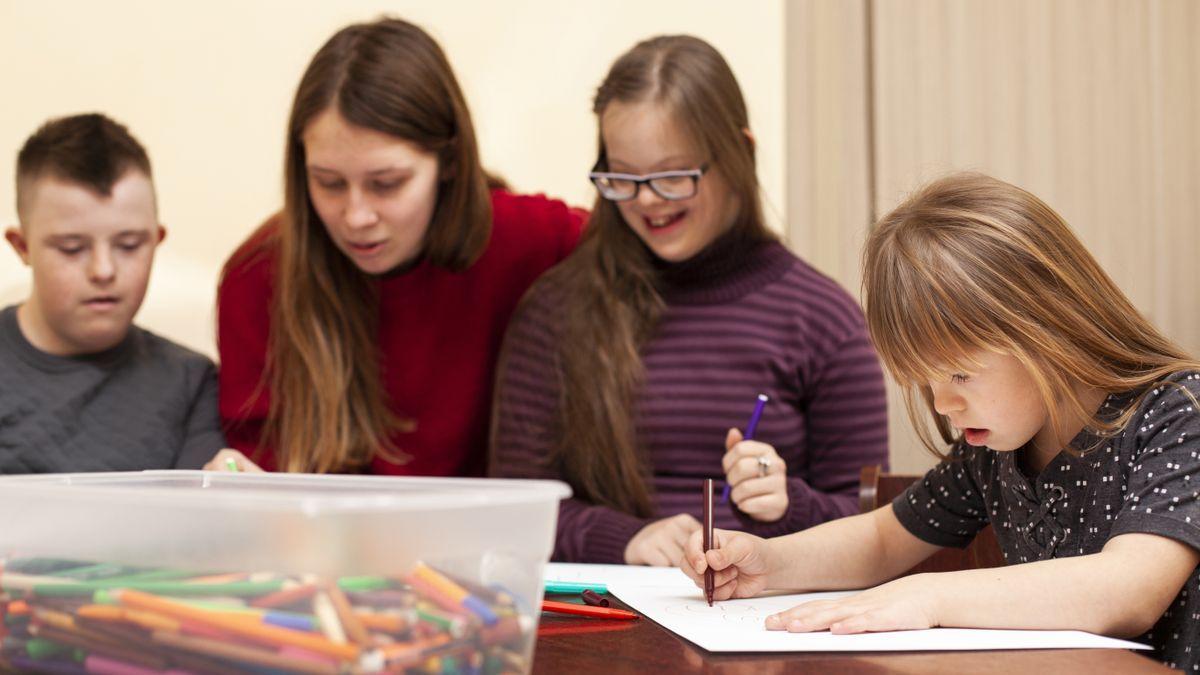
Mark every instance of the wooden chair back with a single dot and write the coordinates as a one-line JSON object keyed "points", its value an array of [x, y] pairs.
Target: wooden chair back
{"points": [[877, 488]]}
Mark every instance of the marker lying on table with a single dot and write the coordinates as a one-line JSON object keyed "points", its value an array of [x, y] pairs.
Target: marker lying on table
{"points": [[748, 436], [593, 598], [587, 610], [574, 587]]}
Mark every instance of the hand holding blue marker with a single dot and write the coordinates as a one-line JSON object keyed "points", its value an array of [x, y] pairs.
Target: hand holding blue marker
{"points": [[749, 435]]}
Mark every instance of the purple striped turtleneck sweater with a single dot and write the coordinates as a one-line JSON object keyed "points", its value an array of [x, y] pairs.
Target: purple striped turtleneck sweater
{"points": [[739, 321]]}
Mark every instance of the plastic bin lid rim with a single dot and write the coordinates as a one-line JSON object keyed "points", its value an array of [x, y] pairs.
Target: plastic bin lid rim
{"points": [[219, 490]]}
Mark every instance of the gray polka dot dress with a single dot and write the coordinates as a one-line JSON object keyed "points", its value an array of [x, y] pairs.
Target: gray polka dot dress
{"points": [[1145, 478]]}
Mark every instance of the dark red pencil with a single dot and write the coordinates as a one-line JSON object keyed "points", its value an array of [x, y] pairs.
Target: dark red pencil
{"points": [[708, 538]]}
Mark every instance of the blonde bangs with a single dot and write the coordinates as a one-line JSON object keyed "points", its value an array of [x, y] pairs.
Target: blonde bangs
{"points": [[970, 263], [924, 311]]}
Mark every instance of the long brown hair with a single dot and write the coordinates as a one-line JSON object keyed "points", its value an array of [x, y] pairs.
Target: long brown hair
{"points": [[328, 409], [972, 263], [610, 283]]}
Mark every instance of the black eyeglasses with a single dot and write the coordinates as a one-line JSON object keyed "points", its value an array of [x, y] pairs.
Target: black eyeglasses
{"points": [[670, 185]]}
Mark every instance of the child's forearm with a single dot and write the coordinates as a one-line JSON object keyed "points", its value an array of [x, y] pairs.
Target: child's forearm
{"points": [[855, 552], [1120, 591], [1051, 594]]}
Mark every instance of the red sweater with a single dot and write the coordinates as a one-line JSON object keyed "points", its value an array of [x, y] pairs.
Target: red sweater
{"points": [[439, 334]]}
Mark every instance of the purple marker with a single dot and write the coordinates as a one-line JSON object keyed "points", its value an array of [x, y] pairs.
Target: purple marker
{"points": [[749, 435]]}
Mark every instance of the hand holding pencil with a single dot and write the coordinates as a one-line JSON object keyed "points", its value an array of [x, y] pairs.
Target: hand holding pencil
{"points": [[739, 562], [755, 474]]}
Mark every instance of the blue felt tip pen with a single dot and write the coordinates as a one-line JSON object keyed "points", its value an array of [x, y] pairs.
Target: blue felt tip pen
{"points": [[749, 435]]}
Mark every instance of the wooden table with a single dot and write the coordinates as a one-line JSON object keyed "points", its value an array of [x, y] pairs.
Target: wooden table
{"points": [[580, 645]]}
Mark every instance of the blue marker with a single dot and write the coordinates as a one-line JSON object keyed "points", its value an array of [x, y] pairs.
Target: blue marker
{"points": [[758, 409]]}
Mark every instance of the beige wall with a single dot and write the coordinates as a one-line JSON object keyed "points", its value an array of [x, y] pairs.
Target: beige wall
{"points": [[1092, 105], [206, 86]]}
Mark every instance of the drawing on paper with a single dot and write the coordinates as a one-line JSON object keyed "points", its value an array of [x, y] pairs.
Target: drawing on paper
{"points": [[724, 612]]}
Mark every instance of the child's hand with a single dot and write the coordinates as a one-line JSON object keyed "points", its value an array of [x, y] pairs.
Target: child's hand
{"points": [[227, 459], [904, 604], [661, 542], [757, 476], [739, 561]]}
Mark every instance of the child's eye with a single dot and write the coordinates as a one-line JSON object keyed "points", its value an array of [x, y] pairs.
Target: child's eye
{"points": [[129, 246], [70, 250], [959, 378]]}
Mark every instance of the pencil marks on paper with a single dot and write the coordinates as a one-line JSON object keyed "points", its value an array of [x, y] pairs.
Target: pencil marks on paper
{"points": [[721, 612]]}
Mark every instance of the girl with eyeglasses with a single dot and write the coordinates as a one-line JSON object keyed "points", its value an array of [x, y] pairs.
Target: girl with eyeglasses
{"points": [[359, 327], [628, 369]]}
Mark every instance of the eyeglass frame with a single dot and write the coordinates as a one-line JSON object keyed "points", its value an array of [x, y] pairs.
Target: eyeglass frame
{"points": [[646, 179]]}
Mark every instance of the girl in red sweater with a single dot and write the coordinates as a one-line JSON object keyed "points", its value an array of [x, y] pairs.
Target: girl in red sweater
{"points": [[358, 328]]}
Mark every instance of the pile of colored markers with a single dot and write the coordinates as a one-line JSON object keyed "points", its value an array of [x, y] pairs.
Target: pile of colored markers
{"points": [[69, 617]]}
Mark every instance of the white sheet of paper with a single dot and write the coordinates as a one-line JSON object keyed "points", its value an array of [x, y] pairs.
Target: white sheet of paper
{"points": [[628, 575], [737, 626]]}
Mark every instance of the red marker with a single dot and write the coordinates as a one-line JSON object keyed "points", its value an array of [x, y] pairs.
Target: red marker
{"points": [[587, 610]]}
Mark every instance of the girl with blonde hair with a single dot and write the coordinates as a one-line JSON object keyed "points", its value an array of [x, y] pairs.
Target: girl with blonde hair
{"points": [[1073, 426]]}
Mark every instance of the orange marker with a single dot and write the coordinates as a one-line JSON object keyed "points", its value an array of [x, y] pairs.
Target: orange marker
{"points": [[387, 623], [247, 627], [285, 597], [350, 623]]}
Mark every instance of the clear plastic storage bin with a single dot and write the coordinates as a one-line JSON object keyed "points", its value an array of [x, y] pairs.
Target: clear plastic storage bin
{"points": [[215, 572]]}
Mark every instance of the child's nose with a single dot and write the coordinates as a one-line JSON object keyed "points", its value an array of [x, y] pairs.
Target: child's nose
{"points": [[946, 402], [101, 268], [647, 197]]}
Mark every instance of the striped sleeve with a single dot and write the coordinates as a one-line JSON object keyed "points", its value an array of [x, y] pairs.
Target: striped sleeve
{"points": [[525, 413], [845, 405]]}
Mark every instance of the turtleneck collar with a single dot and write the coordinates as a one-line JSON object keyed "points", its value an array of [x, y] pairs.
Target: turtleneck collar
{"points": [[730, 267]]}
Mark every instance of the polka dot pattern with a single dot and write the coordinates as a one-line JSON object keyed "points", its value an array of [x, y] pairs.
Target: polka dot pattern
{"points": [[1145, 478]]}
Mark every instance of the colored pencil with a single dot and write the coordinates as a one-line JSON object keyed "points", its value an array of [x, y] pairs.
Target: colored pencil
{"points": [[241, 654], [354, 628], [455, 592], [748, 436], [285, 596], [249, 630], [238, 588], [708, 538]]}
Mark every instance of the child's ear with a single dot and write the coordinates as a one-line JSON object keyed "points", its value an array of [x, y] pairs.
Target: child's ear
{"points": [[749, 136], [17, 240], [162, 234]]}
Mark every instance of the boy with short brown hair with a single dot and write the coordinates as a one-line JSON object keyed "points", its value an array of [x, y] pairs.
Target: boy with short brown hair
{"points": [[81, 387]]}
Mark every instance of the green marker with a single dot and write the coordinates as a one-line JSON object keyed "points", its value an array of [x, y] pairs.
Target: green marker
{"points": [[232, 465], [574, 587], [237, 588], [363, 584], [39, 649]]}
